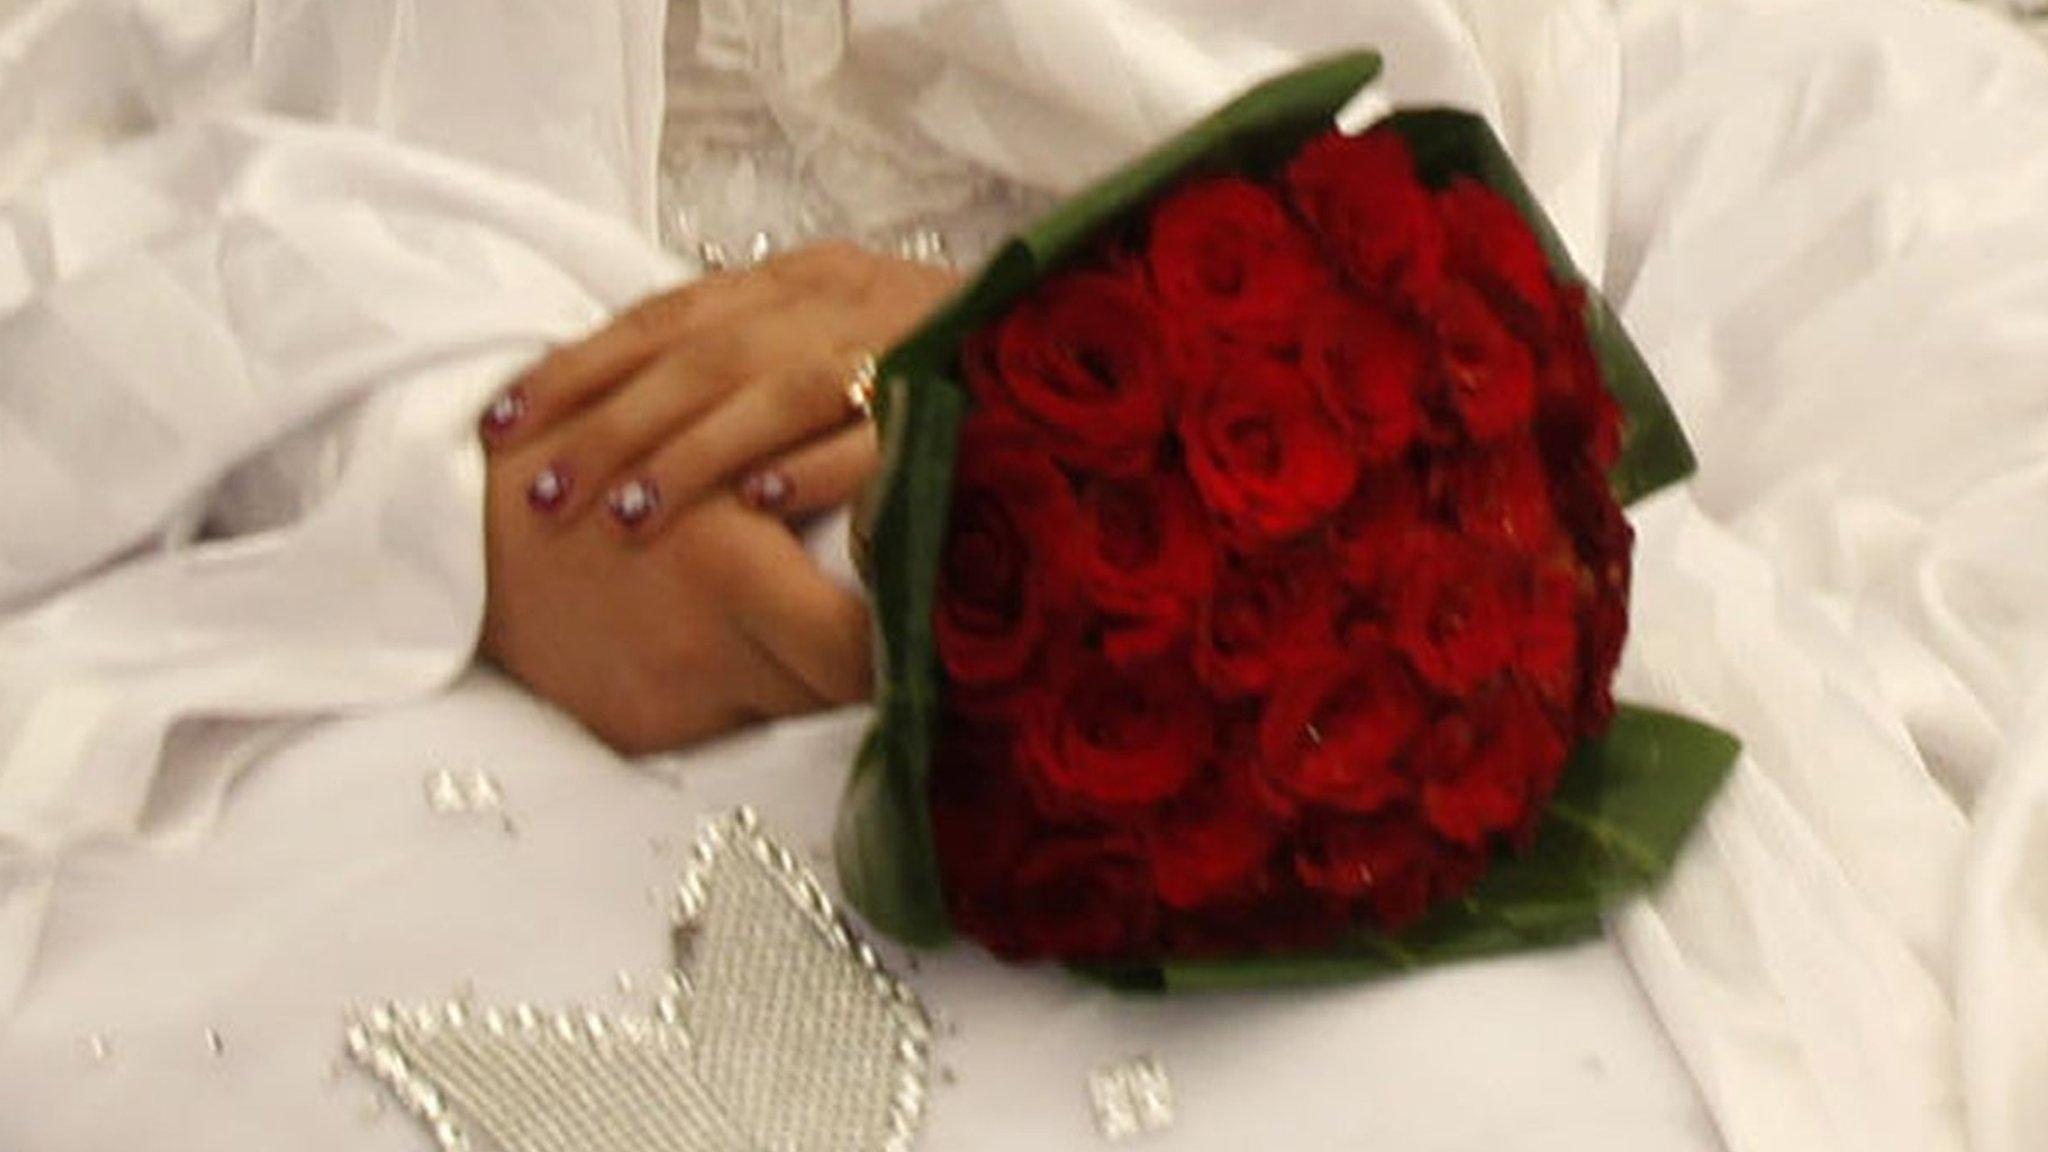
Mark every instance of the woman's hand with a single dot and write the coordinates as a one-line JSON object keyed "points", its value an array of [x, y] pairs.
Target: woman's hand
{"points": [[714, 616], [691, 389], [721, 621]]}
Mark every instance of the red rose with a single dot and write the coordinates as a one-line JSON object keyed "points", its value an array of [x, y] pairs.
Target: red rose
{"points": [[1004, 572], [1547, 640], [1275, 914], [1078, 897], [1283, 574], [1368, 366], [1263, 452], [1502, 493], [1578, 420], [1109, 738], [1338, 735], [1488, 767], [1361, 196], [1211, 841], [1371, 532], [1494, 248], [1605, 543], [982, 818], [1390, 861], [1451, 611], [1147, 560], [1090, 358], [1606, 629], [1360, 623], [1489, 376], [1225, 253], [1258, 620]]}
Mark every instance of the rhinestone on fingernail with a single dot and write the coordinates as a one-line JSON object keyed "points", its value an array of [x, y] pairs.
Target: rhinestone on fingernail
{"points": [[634, 501], [549, 489], [505, 411], [766, 490]]}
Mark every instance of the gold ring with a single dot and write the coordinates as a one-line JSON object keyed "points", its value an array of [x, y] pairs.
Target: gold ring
{"points": [[860, 386]]}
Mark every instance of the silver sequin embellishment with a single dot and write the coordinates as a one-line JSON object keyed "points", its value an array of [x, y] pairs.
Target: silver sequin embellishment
{"points": [[483, 792], [473, 793], [444, 793], [926, 246], [780, 1028], [1131, 1098]]}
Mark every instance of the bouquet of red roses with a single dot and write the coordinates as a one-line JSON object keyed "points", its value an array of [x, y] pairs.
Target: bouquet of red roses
{"points": [[1251, 573]]}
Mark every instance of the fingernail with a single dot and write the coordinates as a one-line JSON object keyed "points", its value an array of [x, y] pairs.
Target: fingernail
{"points": [[767, 490], [633, 502], [549, 489], [507, 410]]}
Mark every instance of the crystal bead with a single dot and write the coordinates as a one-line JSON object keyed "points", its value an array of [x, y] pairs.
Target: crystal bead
{"points": [[444, 793], [1131, 1097], [483, 792]]}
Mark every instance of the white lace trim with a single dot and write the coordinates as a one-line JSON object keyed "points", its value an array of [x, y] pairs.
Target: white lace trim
{"points": [[767, 144]]}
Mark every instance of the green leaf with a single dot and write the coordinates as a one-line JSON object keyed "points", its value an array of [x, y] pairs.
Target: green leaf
{"points": [[1614, 829], [883, 846], [1654, 452]]}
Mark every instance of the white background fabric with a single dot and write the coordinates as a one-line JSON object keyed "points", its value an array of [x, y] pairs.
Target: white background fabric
{"points": [[262, 259]]}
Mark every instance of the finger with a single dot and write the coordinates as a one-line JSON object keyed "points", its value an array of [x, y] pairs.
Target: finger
{"points": [[805, 620], [817, 477], [574, 465], [753, 422], [572, 375]]}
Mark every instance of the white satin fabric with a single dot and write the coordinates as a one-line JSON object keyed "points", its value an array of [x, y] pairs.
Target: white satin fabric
{"points": [[262, 260]]}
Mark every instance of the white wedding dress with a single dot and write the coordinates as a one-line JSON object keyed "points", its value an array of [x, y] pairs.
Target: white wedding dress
{"points": [[261, 261]]}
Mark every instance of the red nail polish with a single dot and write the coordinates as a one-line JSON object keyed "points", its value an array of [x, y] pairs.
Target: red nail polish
{"points": [[505, 411], [766, 490], [633, 502], [549, 489]]}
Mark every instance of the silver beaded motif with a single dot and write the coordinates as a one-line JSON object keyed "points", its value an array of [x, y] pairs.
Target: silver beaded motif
{"points": [[796, 1017], [779, 1028]]}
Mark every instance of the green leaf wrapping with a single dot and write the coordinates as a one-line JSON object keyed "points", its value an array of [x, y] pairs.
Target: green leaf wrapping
{"points": [[1626, 801]]}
